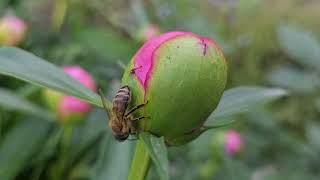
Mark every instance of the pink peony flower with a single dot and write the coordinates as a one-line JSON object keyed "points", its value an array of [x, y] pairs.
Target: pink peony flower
{"points": [[232, 143]]}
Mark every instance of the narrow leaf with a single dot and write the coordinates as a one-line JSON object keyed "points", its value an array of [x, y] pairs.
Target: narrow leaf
{"points": [[242, 99], [300, 45], [158, 152], [28, 67], [11, 101], [88, 134], [140, 164], [114, 160], [20, 145], [294, 79]]}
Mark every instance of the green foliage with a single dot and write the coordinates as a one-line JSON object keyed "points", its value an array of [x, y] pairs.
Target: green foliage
{"points": [[265, 42], [18, 147], [300, 45], [242, 99], [158, 152], [28, 67], [11, 101]]}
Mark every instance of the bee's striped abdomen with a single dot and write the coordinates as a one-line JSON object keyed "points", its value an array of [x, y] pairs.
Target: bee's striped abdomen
{"points": [[121, 101]]}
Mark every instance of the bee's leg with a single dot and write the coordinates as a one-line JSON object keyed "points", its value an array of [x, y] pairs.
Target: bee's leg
{"points": [[134, 132], [134, 139], [137, 119], [135, 108]]}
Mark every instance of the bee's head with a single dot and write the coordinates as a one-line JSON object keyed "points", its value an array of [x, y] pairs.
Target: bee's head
{"points": [[121, 137]]}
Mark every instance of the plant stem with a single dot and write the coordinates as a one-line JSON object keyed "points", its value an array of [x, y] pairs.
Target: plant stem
{"points": [[62, 163], [140, 163]]}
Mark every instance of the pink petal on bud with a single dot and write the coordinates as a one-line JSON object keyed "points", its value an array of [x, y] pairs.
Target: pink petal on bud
{"points": [[233, 143], [70, 105], [145, 57], [16, 29], [80, 75], [15, 24]]}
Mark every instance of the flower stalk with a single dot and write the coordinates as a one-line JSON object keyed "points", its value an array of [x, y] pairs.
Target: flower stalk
{"points": [[141, 162]]}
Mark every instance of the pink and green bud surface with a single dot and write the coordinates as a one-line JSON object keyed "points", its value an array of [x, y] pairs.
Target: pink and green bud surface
{"points": [[69, 109], [12, 30], [182, 76]]}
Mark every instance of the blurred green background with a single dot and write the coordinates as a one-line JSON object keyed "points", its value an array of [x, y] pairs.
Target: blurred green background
{"points": [[266, 42]]}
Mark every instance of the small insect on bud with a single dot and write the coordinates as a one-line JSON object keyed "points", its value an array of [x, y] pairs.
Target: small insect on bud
{"points": [[12, 30], [182, 76], [67, 108]]}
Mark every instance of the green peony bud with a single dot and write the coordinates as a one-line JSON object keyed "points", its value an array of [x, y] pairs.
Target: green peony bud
{"points": [[182, 76]]}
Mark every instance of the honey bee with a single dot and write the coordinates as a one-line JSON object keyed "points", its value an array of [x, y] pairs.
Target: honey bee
{"points": [[121, 120]]}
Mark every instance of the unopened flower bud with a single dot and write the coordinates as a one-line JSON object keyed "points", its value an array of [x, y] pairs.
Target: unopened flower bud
{"points": [[12, 30], [148, 32], [232, 143], [227, 143], [67, 108], [182, 76]]}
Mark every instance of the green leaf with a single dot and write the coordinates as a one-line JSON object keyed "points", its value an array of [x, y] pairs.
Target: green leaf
{"points": [[28, 67], [300, 45], [114, 160], [88, 134], [313, 134], [141, 162], [20, 145], [107, 43], [294, 79], [317, 104], [11, 101], [158, 152], [242, 99]]}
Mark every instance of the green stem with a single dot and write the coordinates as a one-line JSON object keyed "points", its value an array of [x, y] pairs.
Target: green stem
{"points": [[62, 163], [140, 163], [59, 13]]}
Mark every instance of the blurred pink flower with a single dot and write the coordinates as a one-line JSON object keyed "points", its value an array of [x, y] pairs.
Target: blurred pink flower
{"points": [[150, 31], [70, 106], [12, 30], [80, 75], [232, 143]]}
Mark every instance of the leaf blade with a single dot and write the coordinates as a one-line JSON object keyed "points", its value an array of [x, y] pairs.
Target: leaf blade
{"points": [[20, 145], [242, 99], [300, 45], [158, 152], [11, 101], [30, 68]]}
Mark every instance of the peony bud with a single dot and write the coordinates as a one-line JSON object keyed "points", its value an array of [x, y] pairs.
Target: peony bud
{"points": [[12, 30], [182, 77], [70, 109], [232, 143], [147, 32], [226, 142]]}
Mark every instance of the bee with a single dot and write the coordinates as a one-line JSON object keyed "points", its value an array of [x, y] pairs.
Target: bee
{"points": [[121, 121]]}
